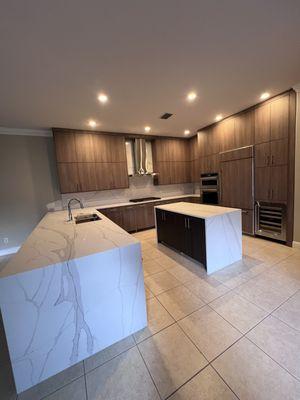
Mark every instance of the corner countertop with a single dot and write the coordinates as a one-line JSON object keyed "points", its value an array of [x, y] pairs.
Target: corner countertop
{"points": [[202, 211], [55, 240]]}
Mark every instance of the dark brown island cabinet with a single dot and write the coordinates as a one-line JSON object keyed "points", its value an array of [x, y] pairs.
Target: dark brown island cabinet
{"points": [[183, 233]]}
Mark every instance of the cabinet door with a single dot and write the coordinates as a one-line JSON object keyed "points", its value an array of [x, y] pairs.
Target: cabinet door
{"points": [[161, 225], [84, 147], [201, 143], [195, 238], [279, 152], [68, 177], [87, 177], [145, 216], [228, 135], [119, 175], [65, 147], [262, 118], [129, 218], [164, 170], [278, 179], [236, 183], [247, 222], [280, 118], [244, 129], [262, 183], [103, 176], [262, 154], [114, 214]]}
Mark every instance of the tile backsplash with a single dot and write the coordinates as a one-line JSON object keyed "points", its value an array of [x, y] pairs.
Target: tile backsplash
{"points": [[139, 186]]}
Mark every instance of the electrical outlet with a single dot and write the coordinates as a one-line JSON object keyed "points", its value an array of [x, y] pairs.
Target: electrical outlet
{"points": [[5, 240]]}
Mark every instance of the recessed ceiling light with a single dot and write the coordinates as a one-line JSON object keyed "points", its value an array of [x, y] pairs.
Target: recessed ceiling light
{"points": [[147, 129], [264, 95], [103, 98], [191, 96], [219, 117], [92, 123], [187, 132]]}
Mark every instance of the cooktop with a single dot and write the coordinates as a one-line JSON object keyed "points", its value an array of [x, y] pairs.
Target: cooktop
{"points": [[144, 199]]}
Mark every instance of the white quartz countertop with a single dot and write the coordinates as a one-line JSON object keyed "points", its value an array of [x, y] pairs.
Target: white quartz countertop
{"points": [[197, 210], [55, 240]]}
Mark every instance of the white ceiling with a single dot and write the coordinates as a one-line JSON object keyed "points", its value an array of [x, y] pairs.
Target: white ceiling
{"points": [[56, 56]]}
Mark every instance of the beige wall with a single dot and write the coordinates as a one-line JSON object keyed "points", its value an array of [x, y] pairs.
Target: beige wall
{"points": [[28, 182], [297, 172]]}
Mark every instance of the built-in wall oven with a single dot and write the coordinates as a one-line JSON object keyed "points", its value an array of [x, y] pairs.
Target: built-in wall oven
{"points": [[209, 188], [270, 220]]}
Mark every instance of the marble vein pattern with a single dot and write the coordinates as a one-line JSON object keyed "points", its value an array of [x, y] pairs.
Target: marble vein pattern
{"points": [[74, 301]]}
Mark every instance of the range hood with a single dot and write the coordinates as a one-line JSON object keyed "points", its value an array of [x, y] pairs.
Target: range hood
{"points": [[141, 157]]}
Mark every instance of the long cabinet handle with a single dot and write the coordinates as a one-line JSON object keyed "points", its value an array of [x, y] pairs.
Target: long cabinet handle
{"points": [[185, 223], [188, 223], [272, 162]]}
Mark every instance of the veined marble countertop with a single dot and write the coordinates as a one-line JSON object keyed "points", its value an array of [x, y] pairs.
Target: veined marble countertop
{"points": [[55, 240], [130, 203], [197, 210]]}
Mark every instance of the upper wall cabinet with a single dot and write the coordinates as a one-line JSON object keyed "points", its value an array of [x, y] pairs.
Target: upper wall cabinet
{"points": [[244, 129], [272, 120], [88, 161], [171, 149]]}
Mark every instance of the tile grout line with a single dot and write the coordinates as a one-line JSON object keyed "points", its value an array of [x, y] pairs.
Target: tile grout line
{"points": [[85, 384]]}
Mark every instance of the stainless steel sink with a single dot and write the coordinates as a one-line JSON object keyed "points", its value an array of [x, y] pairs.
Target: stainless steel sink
{"points": [[81, 218]]}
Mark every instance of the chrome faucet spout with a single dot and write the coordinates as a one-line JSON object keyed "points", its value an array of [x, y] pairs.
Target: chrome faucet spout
{"points": [[74, 199]]}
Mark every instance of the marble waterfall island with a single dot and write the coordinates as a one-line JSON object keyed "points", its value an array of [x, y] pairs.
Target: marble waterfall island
{"points": [[71, 291], [211, 235]]}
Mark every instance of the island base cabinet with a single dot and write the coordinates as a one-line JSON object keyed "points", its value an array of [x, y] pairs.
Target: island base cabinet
{"points": [[183, 233]]}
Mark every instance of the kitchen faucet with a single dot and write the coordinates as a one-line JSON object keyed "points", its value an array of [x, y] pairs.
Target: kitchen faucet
{"points": [[69, 207]]}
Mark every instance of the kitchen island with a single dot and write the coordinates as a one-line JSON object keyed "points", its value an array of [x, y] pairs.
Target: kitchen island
{"points": [[211, 235], [71, 291]]}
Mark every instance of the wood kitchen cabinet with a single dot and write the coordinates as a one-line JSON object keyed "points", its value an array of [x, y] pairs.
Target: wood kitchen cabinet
{"points": [[129, 219], [244, 129], [65, 147], [84, 147], [115, 214], [68, 177], [272, 120], [271, 153], [109, 148], [145, 216], [271, 183]]}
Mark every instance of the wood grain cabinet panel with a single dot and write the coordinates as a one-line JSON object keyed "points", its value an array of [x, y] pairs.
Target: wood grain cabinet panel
{"points": [[262, 121], [84, 147], [262, 183], [87, 177], [193, 148], [279, 109], [129, 218], [65, 147], [279, 152], [119, 175], [262, 154], [114, 214], [68, 177], [227, 132], [248, 222], [109, 148], [201, 136], [278, 183], [244, 129], [145, 216]]}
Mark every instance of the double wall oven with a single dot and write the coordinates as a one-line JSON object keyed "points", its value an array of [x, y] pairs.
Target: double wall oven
{"points": [[209, 188]]}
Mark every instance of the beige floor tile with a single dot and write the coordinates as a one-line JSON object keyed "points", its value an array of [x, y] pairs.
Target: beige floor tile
{"points": [[182, 273], [289, 312], [207, 289], [148, 293], [158, 319], [207, 385], [280, 342], [74, 390], [107, 354], [161, 282], [252, 375], [242, 314], [53, 383], [124, 377], [180, 302], [265, 292], [210, 332], [151, 267], [171, 358]]}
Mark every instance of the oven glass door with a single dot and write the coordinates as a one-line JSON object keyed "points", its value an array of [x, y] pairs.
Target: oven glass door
{"points": [[209, 182], [210, 197]]}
